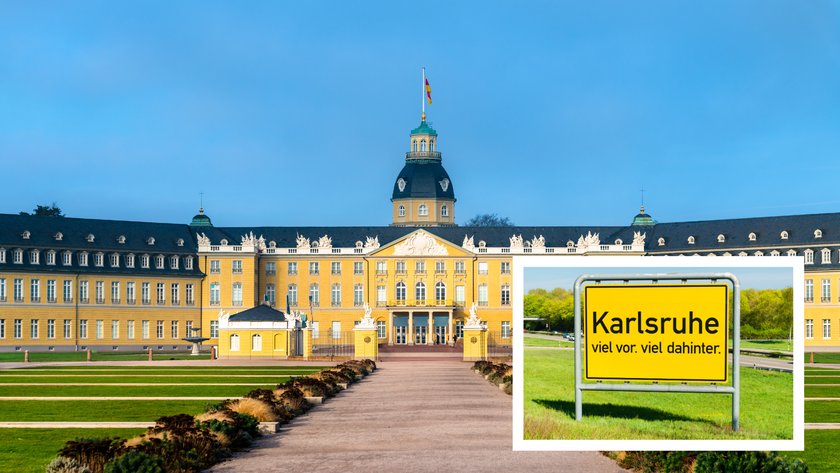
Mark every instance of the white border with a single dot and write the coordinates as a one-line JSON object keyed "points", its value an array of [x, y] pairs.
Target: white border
{"points": [[687, 262]]}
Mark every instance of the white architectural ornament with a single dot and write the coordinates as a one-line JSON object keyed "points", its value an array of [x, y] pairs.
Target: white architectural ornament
{"points": [[538, 242], [324, 242], [367, 322], [591, 239], [401, 184], [473, 322], [420, 243], [249, 239], [203, 240], [302, 242], [261, 243], [444, 184], [372, 242], [516, 241], [468, 243], [639, 238], [223, 318]]}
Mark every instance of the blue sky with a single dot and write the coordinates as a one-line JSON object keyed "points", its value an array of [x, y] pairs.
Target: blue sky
{"points": [[297, 113]]}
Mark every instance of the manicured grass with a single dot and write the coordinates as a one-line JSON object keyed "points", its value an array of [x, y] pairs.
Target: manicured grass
{"points": [[822, 411], [822, 357], [30, 450], [95, 411], [815, 379], [545, 342], [822, 391], [123, 391], [125, 378], [100, 356], [780, 345], [766, 407]]}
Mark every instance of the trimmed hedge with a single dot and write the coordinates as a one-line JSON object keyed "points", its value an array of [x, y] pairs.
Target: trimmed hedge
{"points": [[710, 462]]}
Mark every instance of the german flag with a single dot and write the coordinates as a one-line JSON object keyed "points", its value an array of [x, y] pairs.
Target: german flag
{"points": [[428, 92]]}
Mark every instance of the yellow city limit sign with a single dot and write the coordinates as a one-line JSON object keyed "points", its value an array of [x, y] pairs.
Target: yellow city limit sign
{"points": [[656, 332]]}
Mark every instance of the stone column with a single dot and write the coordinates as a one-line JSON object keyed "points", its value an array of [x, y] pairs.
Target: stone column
{"points": [[390, 328], [450, 330], [409, 332], [430, 334]]}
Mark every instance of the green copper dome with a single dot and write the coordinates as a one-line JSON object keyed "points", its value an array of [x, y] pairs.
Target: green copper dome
{"points": [[642, 219], [201, 220], [424, 129]]}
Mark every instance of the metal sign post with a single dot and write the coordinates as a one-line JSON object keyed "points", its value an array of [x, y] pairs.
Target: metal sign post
{"points": [[656, 327]]}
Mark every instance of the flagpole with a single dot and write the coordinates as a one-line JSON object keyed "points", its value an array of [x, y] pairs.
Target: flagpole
{"points": [[423, 94]]}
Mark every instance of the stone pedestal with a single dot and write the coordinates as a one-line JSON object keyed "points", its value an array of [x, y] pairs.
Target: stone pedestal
{"points": [[475, 343], [307, 343], [366, 343]]}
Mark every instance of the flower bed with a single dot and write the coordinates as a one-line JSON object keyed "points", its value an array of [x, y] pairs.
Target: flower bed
{"points": [[185, 444], [500, 374]]}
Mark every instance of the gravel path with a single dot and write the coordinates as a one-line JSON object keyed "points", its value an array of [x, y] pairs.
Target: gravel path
{"points": [[409, 417]]}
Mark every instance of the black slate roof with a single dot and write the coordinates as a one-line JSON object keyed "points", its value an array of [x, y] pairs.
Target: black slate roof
{"points": [[423, 180], [260, 313]]}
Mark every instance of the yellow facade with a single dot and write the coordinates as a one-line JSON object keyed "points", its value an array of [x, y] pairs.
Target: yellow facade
{"points": [[254, 343], [365, 344], [822, 308], [475, 344]]}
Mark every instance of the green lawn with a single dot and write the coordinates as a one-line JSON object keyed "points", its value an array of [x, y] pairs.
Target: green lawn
{"points": [[822, 391], [101, 356], [545, 342], [781, 345], [122, 391], [137, 378], [30, 450], [822, 357], [96, 411], [766, 407]]}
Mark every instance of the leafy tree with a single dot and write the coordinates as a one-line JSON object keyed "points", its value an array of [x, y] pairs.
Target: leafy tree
{"points": [[555, 308], [46, 211], [489, 220]]}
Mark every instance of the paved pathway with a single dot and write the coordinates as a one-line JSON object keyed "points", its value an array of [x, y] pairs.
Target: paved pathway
{"points": [[409, 417]]}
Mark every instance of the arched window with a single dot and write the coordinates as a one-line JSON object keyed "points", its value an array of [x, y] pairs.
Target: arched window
{"points": [[401, 291], [422, 210], [818, 233], [721, 238], [401, 211], [751, 236], [691, 240], [414, 145], [256, 343], [826, 255], [422, 145], [444, 210], [661, 241], [431, 145], [420, 293], [234, 342], [440, 292], [784, 235]]}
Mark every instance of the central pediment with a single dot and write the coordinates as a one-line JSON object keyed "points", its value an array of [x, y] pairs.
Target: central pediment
{"points": [[421, 243]]}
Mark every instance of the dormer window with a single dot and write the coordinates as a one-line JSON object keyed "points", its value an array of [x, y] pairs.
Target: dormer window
{"points": [[34, 256], [618, 241], [90, 237], [691, 240], [188, 263], [150, 241], [173, 262], [783, 235], [144, 261], [50, 257], [17, 256], [727, 254], [99, 259], [791, 253], [759, 253], [482, 244], [129, 260], [660, 241], [751, 237], [818, 233], [721, 238], [159, 261], [2, 255], [775, 253], [743, 253], [179, 242], [25, 235], [83, 258], [223, 242], [809, 256], [115, 260], [826, 256], [121, 239], [67, 258], [570, 244], [272, 244], [58, 236]]}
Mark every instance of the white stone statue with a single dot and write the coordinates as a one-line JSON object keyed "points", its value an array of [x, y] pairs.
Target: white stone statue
{"points": [[367, 322], [516, 241], [420, 243], [372, 243], [302, 242], [203, 240], [473, 321], [249, 239], [468, 243], [538, 242], [261, 243], [591, 239], [223, 318], [324, 242], [639, 238]]}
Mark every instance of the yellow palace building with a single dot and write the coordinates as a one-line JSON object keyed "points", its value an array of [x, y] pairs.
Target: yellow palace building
{"points": [[74, 283]]}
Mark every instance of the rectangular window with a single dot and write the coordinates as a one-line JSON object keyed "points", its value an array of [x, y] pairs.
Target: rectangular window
{"points": [[292, 268], [358, 295], [129, 329], [115, 329], [270, 294], [129, 261], [482, 294], [131, 292], [400, 267], [115, 292], [67, 291], [35, 290], [160, 329], [826, 291], [100, 292], [18, 256], [293, 295], [2, 289], [420, 267], [51, 257], [18, 328], [315, 330], [173, 262], [2, 328], [459, 295], [98, 259], [190, 296], [159, 261], [67, 330], [505, 267], [144, 328], [809, 290], [173, 329], [175, 293], [51, 328], [440, 267], [459, 329], [826, 328], [381, 267], [161, 293], [237, 266], [18, 290], [215, 266], [189, 331], [358, 268], [505, 294], [2, 255], [83, 329], [335, 267], [335, 295], [313, 267], [506, 329], [336, 330], [459, 267], [380, 295], [314, 295], [84, 292], [188, 263], [115, 261], [100, 329], [215, 295], [237, 294], [381, 331], [33, 256], [51, 296], [482, 267], [67, 258], [33, 328], [809, 328], [270, 268], [144, 261], [214, 329], [809, 257]]}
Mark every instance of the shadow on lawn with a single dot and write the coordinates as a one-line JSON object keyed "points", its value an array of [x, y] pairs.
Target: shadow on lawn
{"points": [[616, 410]]}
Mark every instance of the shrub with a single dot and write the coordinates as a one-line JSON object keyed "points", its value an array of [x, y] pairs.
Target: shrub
{"points": [[92, 453], [311, 387], [230, 428], [181, 444], [330, 380], [369, 364], [292, 399], [263, 411], [747, 462], [66, 465], [676, 462], [340, 375], [358, 369], [135, 461]]}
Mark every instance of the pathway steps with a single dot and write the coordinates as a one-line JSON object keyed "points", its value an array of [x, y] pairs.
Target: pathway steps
{"points": [[409, 416]]}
